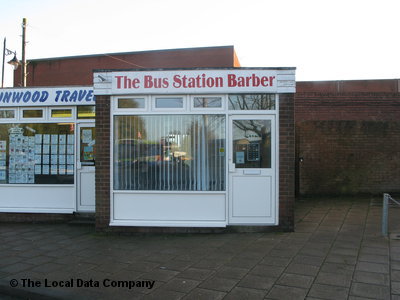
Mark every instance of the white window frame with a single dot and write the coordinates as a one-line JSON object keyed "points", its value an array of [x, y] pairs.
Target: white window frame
{"points": [[257, 111], [131, 110], [7, 120], [174, 109], [73, 113], [43, 109], [208, 109]]}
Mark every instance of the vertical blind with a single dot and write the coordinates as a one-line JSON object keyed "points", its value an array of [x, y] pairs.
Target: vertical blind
{"points": [[169, 152]]}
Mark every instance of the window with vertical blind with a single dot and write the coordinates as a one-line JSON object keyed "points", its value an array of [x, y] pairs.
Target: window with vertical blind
{"points": [[169, 152]]}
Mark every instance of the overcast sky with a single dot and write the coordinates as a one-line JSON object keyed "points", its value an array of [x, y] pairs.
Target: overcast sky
{"points": [[324, 39]]}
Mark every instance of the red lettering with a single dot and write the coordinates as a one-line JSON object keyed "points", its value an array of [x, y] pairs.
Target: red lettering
{"points": [[255, 79], [119, 79], [135, 83], [148, 82], [232, 80], [271, 80], [264, 81]]}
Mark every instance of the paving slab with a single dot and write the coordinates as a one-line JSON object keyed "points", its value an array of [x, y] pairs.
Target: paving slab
{"points": [[336, 252]]}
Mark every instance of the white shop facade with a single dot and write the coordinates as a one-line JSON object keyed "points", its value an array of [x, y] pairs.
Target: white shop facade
{"points": [[47, 150], [194, 147]]}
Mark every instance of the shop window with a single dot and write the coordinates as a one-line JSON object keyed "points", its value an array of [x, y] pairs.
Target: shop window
{"points": [[86, 111], [251, 143], [37, 153], [32, 113], [61, 113], [7, 114], [207, 102], [169, 152], [168, 102], [251, 102], [132, 103]]}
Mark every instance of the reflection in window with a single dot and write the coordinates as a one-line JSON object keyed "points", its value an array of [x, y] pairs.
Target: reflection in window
{"points": [[252, 143], [61, 113], [37, 153], [131, 103], [32, 113], [86, 111], [251, 102], [169, 152], [7, 114], [212, 102], [169, 102]]}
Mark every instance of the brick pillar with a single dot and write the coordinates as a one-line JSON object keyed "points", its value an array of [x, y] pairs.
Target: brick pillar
{"points": [[102, 162], [286, 161]]}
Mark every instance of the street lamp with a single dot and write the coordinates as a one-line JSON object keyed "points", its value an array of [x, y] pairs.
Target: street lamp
{"points": [[14, 62]]}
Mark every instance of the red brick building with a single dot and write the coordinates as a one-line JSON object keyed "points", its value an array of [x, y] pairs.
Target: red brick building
{"points": [[70, 71], [348, 137]]}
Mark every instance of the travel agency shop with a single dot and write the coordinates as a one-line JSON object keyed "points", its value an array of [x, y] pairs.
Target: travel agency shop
{"points": [[194, 149], [47, 150]]}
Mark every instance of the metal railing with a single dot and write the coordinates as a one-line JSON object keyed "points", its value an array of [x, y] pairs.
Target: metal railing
{"points": [[385, 212]]}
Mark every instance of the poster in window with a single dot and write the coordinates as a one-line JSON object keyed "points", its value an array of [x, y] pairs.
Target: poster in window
{"points": [[61, 149], [46, 170], [54, 149], [62, 139], [2, 163], [54, 169], [70, 149], [3, 146], [54, 159], [62, 169], [2, 156], [46, 149], [38, 169], [11, 178], [2, 175], [38, 138], [70, 169], [31, 141], [38, 159], [240, 157], [61, 159], [88, 153], [70, 159], [86, 136], [38, 148], [54, 139], [46, 139], [70, 139], [31, 178], [46, 159]]}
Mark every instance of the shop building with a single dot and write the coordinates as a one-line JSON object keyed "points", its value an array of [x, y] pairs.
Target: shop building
{"points": [[190, 148], [164, 157], [47, 150]]}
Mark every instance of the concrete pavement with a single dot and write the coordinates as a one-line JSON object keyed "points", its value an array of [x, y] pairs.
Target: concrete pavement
{"points": [[336, 252]]}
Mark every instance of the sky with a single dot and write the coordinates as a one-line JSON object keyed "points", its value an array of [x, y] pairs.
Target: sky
{"points": [[323, 39]]}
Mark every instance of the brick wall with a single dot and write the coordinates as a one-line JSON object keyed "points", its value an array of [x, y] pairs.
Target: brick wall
{"points": [[286, 161], [102, 162], [77, 70], [349, 143]]}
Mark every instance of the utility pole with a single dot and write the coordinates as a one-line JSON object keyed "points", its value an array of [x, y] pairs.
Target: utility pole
{"points": [[23, 75]]}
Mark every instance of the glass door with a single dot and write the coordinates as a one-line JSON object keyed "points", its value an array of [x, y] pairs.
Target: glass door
{"points": [[86, 167], [252, 170]]}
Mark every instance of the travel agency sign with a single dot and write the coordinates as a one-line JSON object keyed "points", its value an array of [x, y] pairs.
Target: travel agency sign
{"points": [[47, 96]]}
